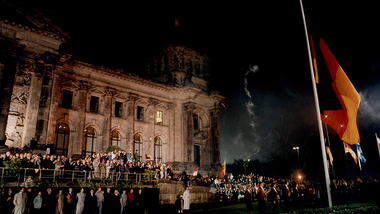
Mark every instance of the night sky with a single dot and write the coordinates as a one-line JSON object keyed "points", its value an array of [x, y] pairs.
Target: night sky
{"points": [[269, 110]]}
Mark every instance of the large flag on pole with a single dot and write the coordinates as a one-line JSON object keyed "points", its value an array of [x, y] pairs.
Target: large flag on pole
{"points": [[360, 153], [348, 149], [223, 169], [343, 121]]}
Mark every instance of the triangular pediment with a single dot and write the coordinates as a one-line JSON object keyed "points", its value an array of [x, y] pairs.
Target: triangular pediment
{"points": [[162, 105], [70, 84], [143, 101], [121, 96], [97, 90]]}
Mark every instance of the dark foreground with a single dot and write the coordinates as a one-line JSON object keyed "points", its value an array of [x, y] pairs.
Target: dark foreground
{"points": [[240, 208]]}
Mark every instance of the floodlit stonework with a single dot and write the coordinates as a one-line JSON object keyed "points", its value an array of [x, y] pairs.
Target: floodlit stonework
{"points": [[169, 114]]}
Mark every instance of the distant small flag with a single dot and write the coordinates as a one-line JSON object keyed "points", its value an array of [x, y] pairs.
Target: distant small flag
{"points": [[358, 179], [360, 153], [147, 157], [348, 149], [223, 169], [195, 172], [176, 23], [330, 155]]}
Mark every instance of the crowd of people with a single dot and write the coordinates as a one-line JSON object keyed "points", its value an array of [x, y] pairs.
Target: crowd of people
{"points": [[91, 202], [99, 165], [117, 164]]}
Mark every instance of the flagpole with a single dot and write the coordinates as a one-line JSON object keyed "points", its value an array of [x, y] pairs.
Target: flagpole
{"points": [[378, 144], [360, 163], [328, 142], [324, 157], [345, 153]]}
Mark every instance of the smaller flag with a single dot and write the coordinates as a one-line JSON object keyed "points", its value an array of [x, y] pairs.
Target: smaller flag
{"points": [[348, 149], [330, 155], [358, 179], [223, 169], [360, 153], [195, 172], [176, 23], [147, 157]]}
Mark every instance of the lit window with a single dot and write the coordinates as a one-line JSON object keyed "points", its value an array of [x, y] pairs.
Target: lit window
{"points": [[157, 149], [159, 118]]}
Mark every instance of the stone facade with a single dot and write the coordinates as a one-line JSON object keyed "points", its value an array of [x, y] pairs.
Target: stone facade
{"points": [[169, 115]]}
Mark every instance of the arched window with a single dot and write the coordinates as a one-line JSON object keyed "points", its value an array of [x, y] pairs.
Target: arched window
{"points": [[115, 138], [137, 145], [62, 139], [89, 141], [157, 149]]}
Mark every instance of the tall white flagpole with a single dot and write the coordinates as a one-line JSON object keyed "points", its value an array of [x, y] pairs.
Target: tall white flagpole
{"points": [[324, 156]]}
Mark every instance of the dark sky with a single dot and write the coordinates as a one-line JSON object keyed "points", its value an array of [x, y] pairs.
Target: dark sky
{"points": [[273, 110]]}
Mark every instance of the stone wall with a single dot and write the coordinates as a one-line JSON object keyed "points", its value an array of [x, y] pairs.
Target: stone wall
{"points": [[169, 190]]}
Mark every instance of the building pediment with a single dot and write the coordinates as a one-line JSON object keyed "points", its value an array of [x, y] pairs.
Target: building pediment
{"points": [[97, 90], [70, 84]]}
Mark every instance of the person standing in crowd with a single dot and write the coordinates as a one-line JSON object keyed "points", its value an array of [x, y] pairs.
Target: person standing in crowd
{"points": [[99, 199], [91, 203], [8, 202], [131, 200], [261, 198], [70, 202], [123, 202], [29, 203], [179, 202], [296, 196], [274, 197], [248, 199], [108, 197], [115, 202], [186, 200], [130, 156], [138, 201], [60, 202], [136, 156], [49, 202], [286, 197], [20, 200], [80, 198], [37, 203]]}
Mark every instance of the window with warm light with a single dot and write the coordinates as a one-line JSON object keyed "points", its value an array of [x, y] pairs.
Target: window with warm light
{"points": [[159, 118], [115, 138]]}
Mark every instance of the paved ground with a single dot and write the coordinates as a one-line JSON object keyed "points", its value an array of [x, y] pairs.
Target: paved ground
{"points": [[239, 208]]}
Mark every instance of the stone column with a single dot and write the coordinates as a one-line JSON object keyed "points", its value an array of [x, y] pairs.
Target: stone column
{"points": [[54, 103], [76, 146], [214, 122], [130, 117], [102, 146], [188, 130]]}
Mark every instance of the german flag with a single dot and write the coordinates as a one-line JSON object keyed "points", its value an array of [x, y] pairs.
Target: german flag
{"points": [[342, 120]]}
